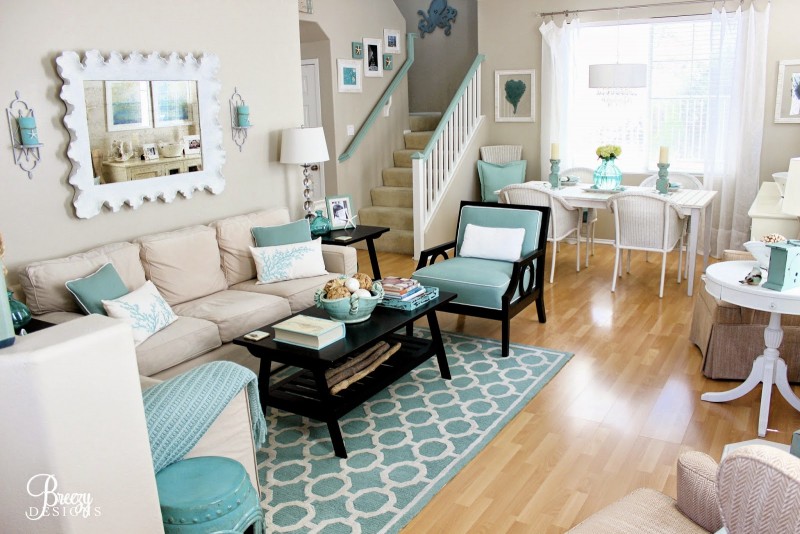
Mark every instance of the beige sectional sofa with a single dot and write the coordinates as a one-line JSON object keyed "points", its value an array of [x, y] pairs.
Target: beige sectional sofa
{"points": [[207, 275]]}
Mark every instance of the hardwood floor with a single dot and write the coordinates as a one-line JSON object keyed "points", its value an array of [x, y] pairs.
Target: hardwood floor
{"points": [[613, 420]]}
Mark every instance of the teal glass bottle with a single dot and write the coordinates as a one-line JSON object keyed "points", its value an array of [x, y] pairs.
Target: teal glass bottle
{"points": [[6, 326], [20, 314], [607, 176], [320, 225]]}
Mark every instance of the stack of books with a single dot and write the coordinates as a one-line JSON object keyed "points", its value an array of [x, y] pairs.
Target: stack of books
{"points": [[402, 289], [310, 332]]}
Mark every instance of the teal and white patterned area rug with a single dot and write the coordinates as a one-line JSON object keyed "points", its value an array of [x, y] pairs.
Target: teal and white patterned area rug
{"points": [[403, 445]]}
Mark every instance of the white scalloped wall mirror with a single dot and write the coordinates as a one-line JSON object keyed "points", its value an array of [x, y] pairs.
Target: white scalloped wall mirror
{"points": [[141, 128]]}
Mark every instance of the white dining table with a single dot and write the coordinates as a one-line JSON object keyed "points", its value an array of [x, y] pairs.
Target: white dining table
{"points": [[692, 203]]}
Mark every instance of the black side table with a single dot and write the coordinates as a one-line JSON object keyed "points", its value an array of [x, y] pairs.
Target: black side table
{"points": [[354, 235]]}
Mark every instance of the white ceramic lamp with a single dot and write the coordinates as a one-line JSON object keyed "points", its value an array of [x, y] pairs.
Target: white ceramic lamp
{"points": [[304, 146], [791, 192]]}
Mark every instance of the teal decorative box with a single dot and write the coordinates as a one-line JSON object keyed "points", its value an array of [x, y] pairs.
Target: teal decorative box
{"points": [[795, 448], [784, 266]]}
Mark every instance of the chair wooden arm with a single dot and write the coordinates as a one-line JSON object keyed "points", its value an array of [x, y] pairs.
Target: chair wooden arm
{"points": [[517, 276], [430, 255]]}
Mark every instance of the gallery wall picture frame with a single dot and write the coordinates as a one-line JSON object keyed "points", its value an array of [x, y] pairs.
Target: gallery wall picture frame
{"points": [[787, 100], [391, 41], [128, 105], [514, 95], [373, 54], [150, 151], [357, 50], [349, 75], [388, 62], [173, 102], [340, 211], [192, 144]]}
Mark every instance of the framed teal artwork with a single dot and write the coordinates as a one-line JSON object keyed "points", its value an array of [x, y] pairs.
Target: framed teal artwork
{"points": [[349, 75], [357, 48], [388, 61]]}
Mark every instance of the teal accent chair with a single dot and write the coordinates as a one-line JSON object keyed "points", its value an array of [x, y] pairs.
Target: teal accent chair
{"points": [[488, 288]]}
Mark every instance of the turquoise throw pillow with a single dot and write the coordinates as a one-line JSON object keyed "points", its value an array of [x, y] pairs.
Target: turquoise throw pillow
{"points": [[496, 176], [284, 234], [104, 284]]}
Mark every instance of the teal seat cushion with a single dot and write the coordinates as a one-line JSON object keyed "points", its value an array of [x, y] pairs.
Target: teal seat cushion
{"points": [[103, 284], [496, 176], [284, 234], [478, 282]]}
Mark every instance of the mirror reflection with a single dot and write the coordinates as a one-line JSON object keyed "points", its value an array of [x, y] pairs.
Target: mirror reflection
{"points": [[142, 129]]}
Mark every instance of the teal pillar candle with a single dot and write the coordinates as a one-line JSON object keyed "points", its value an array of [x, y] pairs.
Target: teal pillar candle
{"points": [[6, 325], [27, 131], [243, 116]]}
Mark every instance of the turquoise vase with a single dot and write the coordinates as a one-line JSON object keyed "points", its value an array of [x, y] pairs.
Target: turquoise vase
{"points": [[607, 176], [320, 225], [20, 314], [6, 326]]}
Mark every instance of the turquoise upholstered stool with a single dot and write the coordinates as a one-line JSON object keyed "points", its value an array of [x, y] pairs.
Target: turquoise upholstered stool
{"points": [[208, 494]]}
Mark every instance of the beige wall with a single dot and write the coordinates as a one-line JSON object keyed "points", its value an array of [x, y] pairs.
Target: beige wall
{"points": [[257, 42], [345, 21], [508, 34]]}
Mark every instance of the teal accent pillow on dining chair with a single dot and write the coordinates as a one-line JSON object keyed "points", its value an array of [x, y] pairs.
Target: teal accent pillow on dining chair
{"points": [[495, 176]]}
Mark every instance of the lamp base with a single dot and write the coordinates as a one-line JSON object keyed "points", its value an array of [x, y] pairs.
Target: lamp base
{"points": [[308, 192]]}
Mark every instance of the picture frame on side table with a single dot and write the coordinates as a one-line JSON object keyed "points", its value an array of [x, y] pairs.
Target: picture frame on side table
{"points": [[514, 95], [391, 41], [340, 211], [787, 101], [349, 75], [150, 151], [373, 58], [191, 144]]}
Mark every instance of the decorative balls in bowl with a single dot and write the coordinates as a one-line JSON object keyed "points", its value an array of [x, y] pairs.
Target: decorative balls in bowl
{"points": [[349, 299]]}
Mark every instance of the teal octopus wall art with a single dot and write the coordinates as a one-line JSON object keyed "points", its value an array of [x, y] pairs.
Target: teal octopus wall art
{"points": [[439, 15]]}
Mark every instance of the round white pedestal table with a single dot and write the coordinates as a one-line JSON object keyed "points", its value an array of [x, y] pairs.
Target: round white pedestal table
{"points": [[723, 282]]}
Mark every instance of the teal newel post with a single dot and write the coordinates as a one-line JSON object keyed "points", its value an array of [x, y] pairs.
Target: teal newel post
{"points": [[6, 325], [662, 184], [555, 181]]}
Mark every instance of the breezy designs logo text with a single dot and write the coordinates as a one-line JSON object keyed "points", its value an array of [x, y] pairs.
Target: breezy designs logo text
{"points": [[52, 503]]}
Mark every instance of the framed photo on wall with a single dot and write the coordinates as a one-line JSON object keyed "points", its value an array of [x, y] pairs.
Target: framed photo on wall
{"points": [[173, 102], [514, 92], [391, 41], [787, 101], [349, 74], [128, 105], [340, 211], [373, 58]]}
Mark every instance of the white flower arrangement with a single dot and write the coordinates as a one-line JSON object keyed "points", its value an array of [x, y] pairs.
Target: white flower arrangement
{"points": [[607, 152]]}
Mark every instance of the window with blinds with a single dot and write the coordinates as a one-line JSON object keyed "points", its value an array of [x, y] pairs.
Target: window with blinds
{"points": [[670, 111]]}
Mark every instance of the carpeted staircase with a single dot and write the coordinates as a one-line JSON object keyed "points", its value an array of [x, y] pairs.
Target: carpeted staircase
{"points": [[392, 203]]}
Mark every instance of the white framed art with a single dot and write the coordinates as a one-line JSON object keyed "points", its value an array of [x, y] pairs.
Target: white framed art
{"points": [[373, 58], [787, 101], [349, 75], [391, 41], [514, 92]]}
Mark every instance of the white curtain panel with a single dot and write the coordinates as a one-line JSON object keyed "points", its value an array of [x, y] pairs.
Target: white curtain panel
{"points": [[736, 118], [557, 83]]}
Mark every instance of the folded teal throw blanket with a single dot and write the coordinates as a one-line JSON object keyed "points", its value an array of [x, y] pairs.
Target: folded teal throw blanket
{"points": [[180, 410]]}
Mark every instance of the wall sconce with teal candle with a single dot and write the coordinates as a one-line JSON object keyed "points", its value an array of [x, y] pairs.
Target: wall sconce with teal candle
{"points": [[23, 133], [240, 118]]}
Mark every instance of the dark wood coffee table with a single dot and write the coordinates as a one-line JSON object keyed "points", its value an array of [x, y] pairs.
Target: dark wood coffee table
{"points": [[306, 392]]}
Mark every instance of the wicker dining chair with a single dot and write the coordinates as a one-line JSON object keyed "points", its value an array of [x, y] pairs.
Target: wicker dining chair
{"points": [[589, 219], [649, 222], [500, 154], [565, 219]]}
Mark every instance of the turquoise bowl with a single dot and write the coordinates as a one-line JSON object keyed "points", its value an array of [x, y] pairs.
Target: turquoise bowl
{"points": [[353, 309]]}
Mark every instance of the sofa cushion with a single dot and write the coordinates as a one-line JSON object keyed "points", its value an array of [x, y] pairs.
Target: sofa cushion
{"points": [[234, 239], [144, 309], [183, 264], [299, 293], [43, 281], [289, 262], [284, 234], [183, 340], [236, 312], [477, 282], [103, 284]]}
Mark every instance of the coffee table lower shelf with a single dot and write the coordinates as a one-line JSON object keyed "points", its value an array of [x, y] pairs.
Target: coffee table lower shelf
{"points": [[306, 392]]}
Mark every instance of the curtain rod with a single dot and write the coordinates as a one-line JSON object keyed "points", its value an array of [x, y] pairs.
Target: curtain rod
{"points": [[568, 12]]}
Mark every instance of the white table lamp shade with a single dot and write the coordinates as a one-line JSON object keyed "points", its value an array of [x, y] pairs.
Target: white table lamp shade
{"points": [[303, 145], [791, 192], [618, 75]]}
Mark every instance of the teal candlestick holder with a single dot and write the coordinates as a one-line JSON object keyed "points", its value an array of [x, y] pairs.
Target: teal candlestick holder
{"points": [[662, 184], [555, 180]]}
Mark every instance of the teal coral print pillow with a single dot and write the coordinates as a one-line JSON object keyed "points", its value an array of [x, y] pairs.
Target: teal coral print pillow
{"points": [[288, 262], [144, 309]]}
